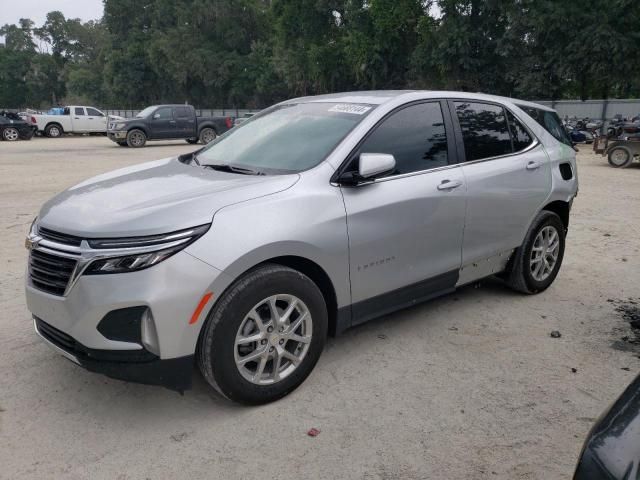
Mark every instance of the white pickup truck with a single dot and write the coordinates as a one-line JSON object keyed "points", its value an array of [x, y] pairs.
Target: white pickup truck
{"points": [[72, 119]]}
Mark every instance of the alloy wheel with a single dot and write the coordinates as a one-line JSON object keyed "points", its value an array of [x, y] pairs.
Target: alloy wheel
{"points": [[10, 134], [208, 135], [273, 339], [137, 139], [544, 253]]}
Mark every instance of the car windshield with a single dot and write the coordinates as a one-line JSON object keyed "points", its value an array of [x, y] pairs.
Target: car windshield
{"points": [[146, 112], [286, 138]]}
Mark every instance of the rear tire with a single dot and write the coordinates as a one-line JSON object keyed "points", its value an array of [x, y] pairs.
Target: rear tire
{"points": [[620, 157], [220, 354], [10, 134], [535, 265], [207, 135], [53, 131], [136, 138]]}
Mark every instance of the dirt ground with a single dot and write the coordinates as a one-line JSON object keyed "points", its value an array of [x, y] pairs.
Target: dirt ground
{"points": [[468, 386]]}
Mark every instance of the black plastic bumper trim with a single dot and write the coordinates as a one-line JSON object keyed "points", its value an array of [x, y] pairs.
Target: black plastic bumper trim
{"points": [[138, 366]]}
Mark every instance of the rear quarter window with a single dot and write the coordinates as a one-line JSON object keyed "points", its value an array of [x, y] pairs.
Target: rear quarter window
{"points": [[549, 121]]}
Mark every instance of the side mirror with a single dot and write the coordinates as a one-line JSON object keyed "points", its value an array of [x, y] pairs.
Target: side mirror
{"points": [[372, 164], [369, 165]]}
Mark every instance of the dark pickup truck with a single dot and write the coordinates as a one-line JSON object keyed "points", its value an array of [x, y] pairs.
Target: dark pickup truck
{"points": [[167, 122]]}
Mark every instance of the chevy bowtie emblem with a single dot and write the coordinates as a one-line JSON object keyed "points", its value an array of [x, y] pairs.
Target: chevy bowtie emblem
{"points": [[30, 244]]}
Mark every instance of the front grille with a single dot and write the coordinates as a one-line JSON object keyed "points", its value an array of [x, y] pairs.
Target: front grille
{"points": [[59, 237], [50, 273], [55, 336]]}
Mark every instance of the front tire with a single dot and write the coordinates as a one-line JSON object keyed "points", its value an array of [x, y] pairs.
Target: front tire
{"points": [[264, 335], [620, 157], [536, 263], [136, 138]]}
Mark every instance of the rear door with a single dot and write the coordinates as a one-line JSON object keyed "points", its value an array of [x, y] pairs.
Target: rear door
{"points": [[508, 179], [163, 125], [79, 120], [405, 228], [96, 120], [186, 122]]}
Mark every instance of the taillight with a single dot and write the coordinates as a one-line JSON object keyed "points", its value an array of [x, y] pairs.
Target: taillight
{"points": [[229, 121], [33, 120]]}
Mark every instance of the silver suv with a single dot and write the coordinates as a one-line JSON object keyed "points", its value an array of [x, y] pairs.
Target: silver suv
{"points": [[315, 215]]}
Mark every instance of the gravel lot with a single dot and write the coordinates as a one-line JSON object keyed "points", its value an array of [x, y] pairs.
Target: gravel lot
{"points": [[468, 386]]}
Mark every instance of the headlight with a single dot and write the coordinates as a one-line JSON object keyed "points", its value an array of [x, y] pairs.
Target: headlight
{"points": [[131, 254], [117, 126]]}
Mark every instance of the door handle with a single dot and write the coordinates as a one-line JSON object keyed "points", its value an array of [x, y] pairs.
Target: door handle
{"points": [[533, 165], [449, 184]]}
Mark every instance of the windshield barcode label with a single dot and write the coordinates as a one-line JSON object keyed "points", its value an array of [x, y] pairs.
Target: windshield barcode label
{"points": [[350, 108]]}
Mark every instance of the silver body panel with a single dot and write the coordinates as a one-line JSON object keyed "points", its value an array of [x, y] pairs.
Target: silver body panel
{"points": [[369, 240]]}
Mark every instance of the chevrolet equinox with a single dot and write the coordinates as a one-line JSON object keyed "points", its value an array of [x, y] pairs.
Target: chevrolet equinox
{"points": [[313, 216]]}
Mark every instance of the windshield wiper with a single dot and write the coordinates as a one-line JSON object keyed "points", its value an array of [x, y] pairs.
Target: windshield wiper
{"points": [[223, 167]]}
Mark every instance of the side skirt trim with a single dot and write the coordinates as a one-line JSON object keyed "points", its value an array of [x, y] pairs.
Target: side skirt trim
{"points": [[404, 297]]}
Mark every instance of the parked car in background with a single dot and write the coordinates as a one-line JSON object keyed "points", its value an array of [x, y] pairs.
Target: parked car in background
{"points": [[612, 448], [71, 119], [577, 136], [319, 214], [243, 118], [167, 122], [13, 127]]}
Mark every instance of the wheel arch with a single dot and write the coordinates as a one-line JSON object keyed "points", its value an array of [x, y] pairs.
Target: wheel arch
{"points": [[139, 127], [49, 124], [560, 208], [207, 125], [311, 269]]}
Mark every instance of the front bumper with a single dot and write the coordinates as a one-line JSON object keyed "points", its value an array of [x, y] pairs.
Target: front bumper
{"points": [[117, 136], [170, 291]]}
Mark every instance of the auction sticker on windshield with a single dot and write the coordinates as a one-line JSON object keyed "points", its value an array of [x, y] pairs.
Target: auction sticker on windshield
{"points": [[350, 108]]}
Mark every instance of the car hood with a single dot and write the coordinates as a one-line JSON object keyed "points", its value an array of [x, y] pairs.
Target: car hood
{"points": [[151, 198]]}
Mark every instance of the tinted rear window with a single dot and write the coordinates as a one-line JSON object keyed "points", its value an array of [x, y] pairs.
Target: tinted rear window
{"points": [[549, 121], [484, 130]]}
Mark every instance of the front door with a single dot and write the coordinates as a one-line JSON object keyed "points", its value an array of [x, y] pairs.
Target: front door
{"points": [[96, 120], [405, 228], [508, 178], [163, 125]]}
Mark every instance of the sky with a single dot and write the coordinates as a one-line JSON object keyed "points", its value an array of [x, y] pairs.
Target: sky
{"points": [[13, 10]]}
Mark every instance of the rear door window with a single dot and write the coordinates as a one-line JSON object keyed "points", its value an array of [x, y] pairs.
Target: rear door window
{"points": [[182, 112], [79, 111], [549, 121], [484, 130]]}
